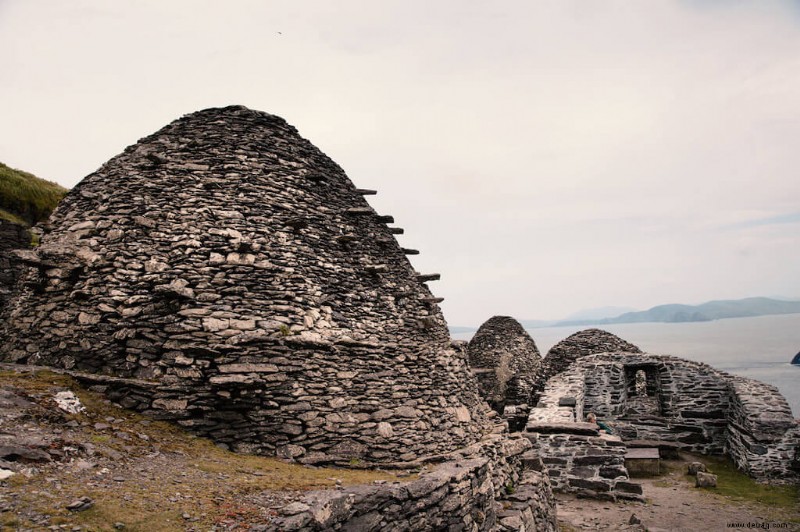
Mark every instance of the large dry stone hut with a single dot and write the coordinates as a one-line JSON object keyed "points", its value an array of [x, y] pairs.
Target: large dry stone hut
{"points": [[226, 274], [505, 360]]}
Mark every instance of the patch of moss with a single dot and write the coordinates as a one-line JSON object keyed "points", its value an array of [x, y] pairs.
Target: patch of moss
{"points": [[13, 218]]}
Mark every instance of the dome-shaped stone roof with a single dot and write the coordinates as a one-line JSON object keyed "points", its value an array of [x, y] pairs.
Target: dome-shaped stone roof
{"points": [[583, 343], [505, 359], [229, 260]]}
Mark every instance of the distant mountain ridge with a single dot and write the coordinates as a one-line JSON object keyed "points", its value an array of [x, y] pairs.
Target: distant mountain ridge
{"points": [[672, 313], [712, 310]]}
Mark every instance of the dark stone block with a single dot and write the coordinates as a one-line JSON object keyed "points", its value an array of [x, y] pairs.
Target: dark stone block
{"points": [[613, 472], [759, 449], [567, 401], [628, 487], [594, 460], [694, 438], [583, 472], [594, 485], [703, 414]]}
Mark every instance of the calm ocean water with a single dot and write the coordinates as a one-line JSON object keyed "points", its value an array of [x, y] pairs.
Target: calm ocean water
{"points": [[760, 348]]}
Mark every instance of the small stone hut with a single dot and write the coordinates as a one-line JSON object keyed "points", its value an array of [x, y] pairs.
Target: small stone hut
{"points": [[224, 273], [583, 343], [669, 399], [505, 360]]}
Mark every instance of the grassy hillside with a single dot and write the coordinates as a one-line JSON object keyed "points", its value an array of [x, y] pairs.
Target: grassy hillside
{"points": [[25, 198]]}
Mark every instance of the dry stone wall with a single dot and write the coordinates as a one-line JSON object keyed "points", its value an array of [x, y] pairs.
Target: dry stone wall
{"points": [[585, 464], [505, 360], [687, 403], [227, 260], [763, 437], [481, 488], [12, 237]]}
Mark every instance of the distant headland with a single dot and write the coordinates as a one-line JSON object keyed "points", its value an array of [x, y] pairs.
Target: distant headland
{"points": [[676, 313]]}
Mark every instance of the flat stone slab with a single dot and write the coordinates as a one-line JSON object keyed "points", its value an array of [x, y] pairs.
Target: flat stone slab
{"points": [[654, 443], [553, 427], [643, 462], [642, 453], [667, 449]]}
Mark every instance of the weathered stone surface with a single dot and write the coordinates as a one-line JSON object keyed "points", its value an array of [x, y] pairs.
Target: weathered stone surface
{"points": [[470, 490], [695, 467], [706, 480], [505, 360], [12, 237], [207, 259]]}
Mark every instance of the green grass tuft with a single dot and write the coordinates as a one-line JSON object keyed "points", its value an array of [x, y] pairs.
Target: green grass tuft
{"points": [[25, 197], [734, 484]]}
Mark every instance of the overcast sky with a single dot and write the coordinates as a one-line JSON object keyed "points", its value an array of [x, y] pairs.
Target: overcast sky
{"points": [[544, 156]]}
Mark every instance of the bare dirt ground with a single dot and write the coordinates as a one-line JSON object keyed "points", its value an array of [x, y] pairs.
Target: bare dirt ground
{"points": [[674, 504], [138, 474], [110, 469]]}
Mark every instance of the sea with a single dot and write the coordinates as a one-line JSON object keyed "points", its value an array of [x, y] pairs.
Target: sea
{"points": [[760, 348]]}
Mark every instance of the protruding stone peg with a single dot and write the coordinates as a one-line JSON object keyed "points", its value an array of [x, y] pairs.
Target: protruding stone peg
{"points": [[410, 251], [366, 192], [376, 268], [396, 230], [432, 299], [386, 219], [424, 278], [359, 211]]}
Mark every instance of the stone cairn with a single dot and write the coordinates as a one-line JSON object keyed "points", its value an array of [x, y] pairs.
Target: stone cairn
{"points": [[583, 343], [505, 360], [225, 274]]}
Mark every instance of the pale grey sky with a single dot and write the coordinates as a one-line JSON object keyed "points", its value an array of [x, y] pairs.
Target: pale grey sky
{"points": [[544, 156]]}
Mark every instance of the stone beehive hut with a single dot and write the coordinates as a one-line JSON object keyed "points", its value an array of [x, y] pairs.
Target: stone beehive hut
{"points": [[232, 278], [505, 360], [583, 343], [689, 403]]}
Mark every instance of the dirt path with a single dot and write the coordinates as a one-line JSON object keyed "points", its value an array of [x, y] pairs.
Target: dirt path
{"points": [[673, 503]]}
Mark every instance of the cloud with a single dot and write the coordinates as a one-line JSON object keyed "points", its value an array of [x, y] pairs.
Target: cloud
{"points": [[543, 156]]}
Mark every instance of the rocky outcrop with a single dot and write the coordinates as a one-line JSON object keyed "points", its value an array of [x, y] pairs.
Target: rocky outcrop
{"points": [[505, 360], [796, 359], [583, 343], [226, 274]]}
